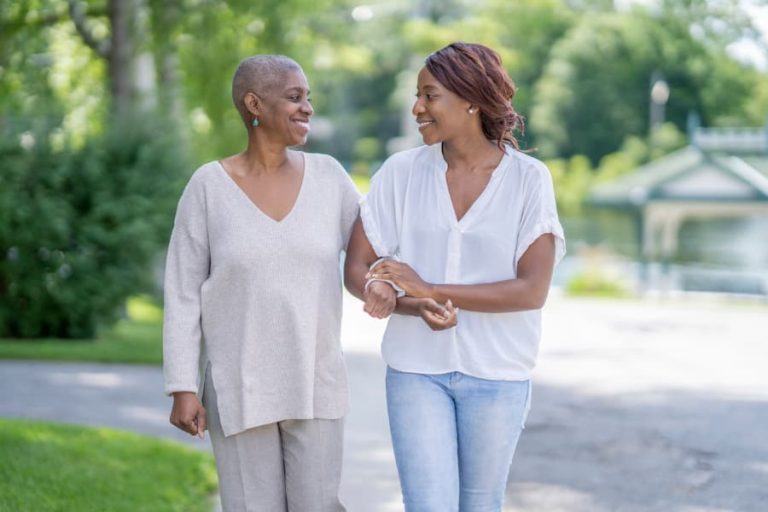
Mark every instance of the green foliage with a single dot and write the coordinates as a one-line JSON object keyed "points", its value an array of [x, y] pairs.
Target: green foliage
{"points": [[51, 467], [595, 89], [594, 284], [572, 179], [81, 226]]}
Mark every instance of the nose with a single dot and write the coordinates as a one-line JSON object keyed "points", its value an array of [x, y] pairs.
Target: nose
{"points": [[306, 107], [418, 107]]}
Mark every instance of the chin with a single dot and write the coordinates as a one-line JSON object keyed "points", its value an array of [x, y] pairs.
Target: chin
{"points": [[298, 141]]}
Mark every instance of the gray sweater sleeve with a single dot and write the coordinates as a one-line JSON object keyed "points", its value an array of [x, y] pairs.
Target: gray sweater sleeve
{"points": [[187, 268]]}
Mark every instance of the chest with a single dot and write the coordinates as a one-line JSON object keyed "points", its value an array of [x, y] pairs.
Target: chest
{"points": [[274, 196], [465, 189], [243, 236]]}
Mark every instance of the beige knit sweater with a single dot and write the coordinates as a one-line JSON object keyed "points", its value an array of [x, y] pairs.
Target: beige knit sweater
{"points": [[259, 300]]}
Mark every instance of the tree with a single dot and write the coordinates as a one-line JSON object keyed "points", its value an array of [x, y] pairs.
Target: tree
{"points": [[595, 88]]}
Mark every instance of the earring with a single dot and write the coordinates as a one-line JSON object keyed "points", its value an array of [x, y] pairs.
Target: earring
{"points": [[255, 122], [471, 110]]}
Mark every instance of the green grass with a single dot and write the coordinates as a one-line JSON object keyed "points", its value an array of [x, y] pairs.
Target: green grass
{"points": [[136, 339], [49, 467]]}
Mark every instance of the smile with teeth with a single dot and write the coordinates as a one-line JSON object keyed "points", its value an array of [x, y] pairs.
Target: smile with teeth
{"points": [[304, 123], [423, 124]]}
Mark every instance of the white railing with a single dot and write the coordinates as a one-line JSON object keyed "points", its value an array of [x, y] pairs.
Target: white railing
{"points": [[731, 139]]}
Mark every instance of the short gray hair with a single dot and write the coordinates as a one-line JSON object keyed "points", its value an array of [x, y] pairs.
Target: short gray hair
{"points": [[259, 74]]}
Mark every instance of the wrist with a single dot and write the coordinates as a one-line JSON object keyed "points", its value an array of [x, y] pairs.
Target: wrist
{"points": [[431, 291], [399, 291]]}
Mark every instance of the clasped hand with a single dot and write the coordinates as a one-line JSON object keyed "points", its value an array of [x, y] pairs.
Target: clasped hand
{"points": [[381, 298]]}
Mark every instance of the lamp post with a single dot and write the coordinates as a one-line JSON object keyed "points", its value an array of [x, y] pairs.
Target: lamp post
{"points": [[659, 98]]}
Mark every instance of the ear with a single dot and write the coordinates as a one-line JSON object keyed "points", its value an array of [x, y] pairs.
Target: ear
{"points": [[252, 103]]}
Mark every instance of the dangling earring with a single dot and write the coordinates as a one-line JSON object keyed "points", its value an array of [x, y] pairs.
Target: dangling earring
{"points": [[255, 122]]}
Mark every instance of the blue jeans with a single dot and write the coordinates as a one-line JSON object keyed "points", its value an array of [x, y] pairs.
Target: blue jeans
{"points": [[454, 437]]}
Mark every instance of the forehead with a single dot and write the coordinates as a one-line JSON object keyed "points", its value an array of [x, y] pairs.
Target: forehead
{"points": [[426, 80], [293, 79]]}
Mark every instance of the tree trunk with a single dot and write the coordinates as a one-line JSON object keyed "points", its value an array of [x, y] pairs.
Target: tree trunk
{"points": [[120, 61]]}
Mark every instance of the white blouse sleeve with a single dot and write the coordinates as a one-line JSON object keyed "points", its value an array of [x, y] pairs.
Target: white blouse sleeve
{"points": [[187, 268], [381, 209], [539, 214]]}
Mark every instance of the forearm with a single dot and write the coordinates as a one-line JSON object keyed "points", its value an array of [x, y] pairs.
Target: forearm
{"points": [[499, 297], [360, 256], [407, 306], [354, 276]]}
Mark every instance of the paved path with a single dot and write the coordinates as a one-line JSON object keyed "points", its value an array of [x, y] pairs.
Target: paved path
{"points": [[658, 407]]}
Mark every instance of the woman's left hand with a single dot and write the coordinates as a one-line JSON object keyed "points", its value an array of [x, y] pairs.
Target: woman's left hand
{"points": [[403, 276]]}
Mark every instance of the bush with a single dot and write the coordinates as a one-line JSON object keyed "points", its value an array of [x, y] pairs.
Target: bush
{"points": [[81, 226], [593, 284]]}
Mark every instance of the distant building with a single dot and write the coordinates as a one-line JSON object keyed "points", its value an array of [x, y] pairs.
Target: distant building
{"points": [[723, 172]]}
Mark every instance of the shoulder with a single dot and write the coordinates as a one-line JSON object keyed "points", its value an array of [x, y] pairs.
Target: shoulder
{"points": [[531, 171], [204, 175], [527, 165], [325, 167], [201, 182], [327, 171], [410, 156], [323, 163], [399, 165]]}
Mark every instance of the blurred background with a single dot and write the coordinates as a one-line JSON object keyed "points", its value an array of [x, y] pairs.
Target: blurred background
{"points": [[652, 116]]}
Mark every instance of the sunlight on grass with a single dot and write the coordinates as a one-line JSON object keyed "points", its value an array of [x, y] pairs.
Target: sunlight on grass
{"points": [[135, 339], [64, 467], [143, 309]]}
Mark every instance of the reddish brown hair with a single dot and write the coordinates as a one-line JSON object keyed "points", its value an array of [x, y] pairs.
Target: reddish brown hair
{"points": [[474, 72]]}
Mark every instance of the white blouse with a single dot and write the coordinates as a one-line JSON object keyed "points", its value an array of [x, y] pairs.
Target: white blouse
{"points": [[408, 214]]}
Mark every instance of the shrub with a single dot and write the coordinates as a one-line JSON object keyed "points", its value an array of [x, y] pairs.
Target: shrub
{"points": [[80, 227], [593, 284]]}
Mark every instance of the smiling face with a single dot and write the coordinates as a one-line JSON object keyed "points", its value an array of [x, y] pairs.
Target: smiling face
{"points": [[441, 114], [284, 110]]}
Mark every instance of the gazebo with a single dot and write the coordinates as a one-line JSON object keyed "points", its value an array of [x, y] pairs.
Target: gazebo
{"points": [[722, 173]]}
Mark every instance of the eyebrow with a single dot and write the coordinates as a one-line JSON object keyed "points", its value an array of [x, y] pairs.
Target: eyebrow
{"points": [[428, 86], [296, 89]]}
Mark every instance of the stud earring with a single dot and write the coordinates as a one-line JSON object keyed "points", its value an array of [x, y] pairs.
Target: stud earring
{"points": [[471, 110], [255, 122]]}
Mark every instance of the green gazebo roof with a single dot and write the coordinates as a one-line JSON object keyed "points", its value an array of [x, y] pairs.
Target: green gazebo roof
{"points": [[690, 174]]}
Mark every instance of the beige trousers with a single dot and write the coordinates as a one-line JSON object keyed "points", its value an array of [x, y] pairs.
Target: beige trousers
{"points": [[288, 466]]}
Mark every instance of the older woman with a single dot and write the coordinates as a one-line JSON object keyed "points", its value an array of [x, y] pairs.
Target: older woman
{"points": [[466, 222], [253, 303]]}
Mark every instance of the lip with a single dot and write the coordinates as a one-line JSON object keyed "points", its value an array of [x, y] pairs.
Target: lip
{"points": [[302, 123], [424, 123]]}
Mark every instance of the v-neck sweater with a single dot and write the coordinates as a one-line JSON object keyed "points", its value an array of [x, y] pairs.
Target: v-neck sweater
{"points": [[408, 214], [257, 302]]}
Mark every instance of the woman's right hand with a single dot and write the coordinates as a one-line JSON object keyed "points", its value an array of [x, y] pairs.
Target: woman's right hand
{"points": [[436, 316]]}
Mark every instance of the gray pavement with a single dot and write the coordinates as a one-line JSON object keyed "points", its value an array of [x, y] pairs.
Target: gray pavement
{"points": [[637, 406]]}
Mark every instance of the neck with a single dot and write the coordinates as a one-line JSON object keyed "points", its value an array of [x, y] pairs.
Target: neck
{"points": [[471, 153], [262, 155]]}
